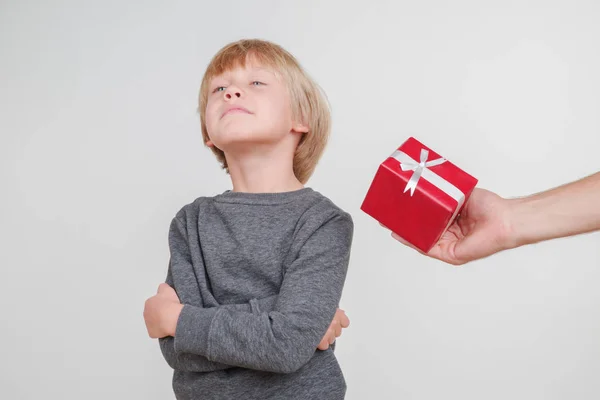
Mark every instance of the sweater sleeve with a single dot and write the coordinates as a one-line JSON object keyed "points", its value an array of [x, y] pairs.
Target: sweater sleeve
{"points": [[189, 362], [286, 338]]}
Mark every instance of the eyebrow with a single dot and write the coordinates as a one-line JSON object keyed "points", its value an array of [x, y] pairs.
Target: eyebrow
{"points": [[223, 76], [262, 69]]}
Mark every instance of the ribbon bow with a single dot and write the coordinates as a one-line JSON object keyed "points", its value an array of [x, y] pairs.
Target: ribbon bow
{"points": [[412, 165]]}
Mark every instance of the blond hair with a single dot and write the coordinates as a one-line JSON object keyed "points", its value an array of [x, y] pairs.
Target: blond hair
{"points": [[308, 102]]}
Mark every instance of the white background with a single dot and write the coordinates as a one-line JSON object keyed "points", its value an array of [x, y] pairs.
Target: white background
{"points": [[100, 146]]}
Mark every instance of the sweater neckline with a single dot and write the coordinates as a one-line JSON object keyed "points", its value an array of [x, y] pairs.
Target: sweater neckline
{"points": [[229, 196]]}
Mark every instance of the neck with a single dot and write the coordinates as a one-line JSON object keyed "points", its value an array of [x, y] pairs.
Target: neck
{"points": [[263, 171]]}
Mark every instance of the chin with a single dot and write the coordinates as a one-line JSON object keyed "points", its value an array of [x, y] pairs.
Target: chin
{"points": [[246, 138], [236, 136]]}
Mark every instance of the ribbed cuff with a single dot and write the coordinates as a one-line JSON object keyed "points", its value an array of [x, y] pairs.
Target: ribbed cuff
{"points": [[192, 332]]}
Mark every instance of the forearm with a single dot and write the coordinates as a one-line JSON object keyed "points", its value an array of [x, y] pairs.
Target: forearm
{"points": [[286, 338], [273, 342], [180, 256], [254, 306], [567, 210], [189, 362]]}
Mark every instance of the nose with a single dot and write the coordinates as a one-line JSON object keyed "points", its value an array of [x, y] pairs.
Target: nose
{"points": [[232, 91]]}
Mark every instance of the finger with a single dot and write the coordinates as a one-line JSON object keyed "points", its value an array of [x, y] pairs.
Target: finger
{"points": [[477, 245], [331, 339], [344, 320], [337, 328], [443, 251], [330, 335], [167, 291], [162, 287], [458, 251], [170, 293], [323, 345]]}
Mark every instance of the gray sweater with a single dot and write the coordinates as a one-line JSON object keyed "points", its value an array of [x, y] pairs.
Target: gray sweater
{"points": [[260, 276]]}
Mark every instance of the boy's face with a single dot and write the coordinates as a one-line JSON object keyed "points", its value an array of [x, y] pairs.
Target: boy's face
{"points": [[248, 105]]}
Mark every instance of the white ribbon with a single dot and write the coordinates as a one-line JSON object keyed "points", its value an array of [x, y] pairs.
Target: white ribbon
{"points": [[421, 170], [408, 164]]}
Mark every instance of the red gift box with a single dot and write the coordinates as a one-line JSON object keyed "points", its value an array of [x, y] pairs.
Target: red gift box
{"points": [[417, 194]]}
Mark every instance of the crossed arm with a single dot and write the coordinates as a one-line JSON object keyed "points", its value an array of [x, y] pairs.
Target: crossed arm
{"points": [[279, 333], [189, 362]]}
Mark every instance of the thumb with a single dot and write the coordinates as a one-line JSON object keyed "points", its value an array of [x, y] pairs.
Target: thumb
{"points": [[163, 287]]}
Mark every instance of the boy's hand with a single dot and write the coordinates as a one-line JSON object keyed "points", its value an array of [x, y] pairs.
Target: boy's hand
{"points": [[161, 312], [340, 320]]}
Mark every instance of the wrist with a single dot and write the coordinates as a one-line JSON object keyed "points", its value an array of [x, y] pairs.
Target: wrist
{"points": [[173, 317], [520, 219]]}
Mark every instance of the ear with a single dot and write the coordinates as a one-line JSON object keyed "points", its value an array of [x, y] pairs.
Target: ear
{"points": [[299, 128], [209, 143]]}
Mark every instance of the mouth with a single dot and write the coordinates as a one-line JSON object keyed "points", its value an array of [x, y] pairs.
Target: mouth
{"points": [[235, 110]]}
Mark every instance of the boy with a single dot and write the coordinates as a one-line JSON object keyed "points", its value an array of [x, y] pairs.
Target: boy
{"points": [[258, 271]]}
